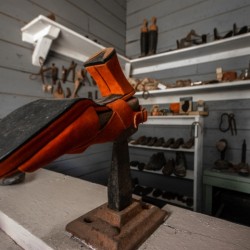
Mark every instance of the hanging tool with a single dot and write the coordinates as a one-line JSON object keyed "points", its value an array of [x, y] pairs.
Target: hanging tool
{"points": [[229, 119]]}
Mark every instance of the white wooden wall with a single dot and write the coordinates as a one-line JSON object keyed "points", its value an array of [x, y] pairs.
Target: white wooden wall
{"points": [[116, 23], [103, 21], [175, 20]]}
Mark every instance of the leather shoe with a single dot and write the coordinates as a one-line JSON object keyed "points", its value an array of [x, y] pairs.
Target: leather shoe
{"points": [[159, 142], [156, 161], [189, 143], [168, 143], [177, 143], [168, 167], [180, 165]]}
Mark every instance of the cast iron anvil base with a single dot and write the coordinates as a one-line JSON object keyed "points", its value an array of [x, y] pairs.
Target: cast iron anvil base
{"points": [[123, 223], [106, 229]]}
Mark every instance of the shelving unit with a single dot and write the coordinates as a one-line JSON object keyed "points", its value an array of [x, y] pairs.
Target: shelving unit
{"points": [[233, 47], [197, 150], [191, 150], [209, 52], [210, 92], [46, 35], [189, 175]]}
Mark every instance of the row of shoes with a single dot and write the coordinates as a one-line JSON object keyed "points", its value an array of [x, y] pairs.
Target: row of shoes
{"points": [[157, 161], [193, 38], [158, 193], [161, 142]]}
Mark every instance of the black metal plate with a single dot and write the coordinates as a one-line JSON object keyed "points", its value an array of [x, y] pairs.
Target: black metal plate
{"points": [[25, 122]]}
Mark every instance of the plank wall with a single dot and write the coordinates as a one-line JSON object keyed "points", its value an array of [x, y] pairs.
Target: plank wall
{"points": [[103, 22], [175, 20]]}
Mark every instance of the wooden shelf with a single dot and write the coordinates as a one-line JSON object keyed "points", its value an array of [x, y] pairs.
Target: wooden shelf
{"points": [[46, 35], [217, 50], [174, 201], [191, 150], [209, 92], [189, 175], [172, 120]]}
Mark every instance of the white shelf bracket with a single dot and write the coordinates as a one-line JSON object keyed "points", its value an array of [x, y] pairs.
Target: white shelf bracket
{"points": [[42, 41], [42, 31]]}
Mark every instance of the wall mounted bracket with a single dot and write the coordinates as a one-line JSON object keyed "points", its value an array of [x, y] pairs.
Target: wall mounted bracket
{"points": [[46, 34]]}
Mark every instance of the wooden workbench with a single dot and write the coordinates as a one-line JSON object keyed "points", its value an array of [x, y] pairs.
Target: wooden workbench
{"points": [[224, 179], [36, 212]]}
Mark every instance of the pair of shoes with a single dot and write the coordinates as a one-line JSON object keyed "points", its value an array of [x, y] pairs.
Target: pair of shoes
{"points": [[189, 144], [142, 191], [234, 32], [169, 142], [159, 142], [180, 168], [192, 38], [138, 140], [157, 192], [152, 141], [156, 162], [168, 195], [137, 164], [168, 167], [177, 143], [149, 141]]}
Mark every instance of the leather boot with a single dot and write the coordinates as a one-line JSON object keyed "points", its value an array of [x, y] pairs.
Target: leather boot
{"points": [[153, 37], [144, 38]]}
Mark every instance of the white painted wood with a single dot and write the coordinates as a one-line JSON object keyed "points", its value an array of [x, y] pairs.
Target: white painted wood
{"points": [[161, 148], [209, 52], [31, 31], [210, 92], [47, 201], [36, 214], [223, 49], [7, 242], [189, 175], [70, 43], [22, 236], [197, 151], [171, 120], [42, 47], [176, 19]]}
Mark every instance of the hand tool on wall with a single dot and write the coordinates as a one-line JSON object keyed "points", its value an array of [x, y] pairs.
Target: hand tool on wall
{"points": [[227, 122]]}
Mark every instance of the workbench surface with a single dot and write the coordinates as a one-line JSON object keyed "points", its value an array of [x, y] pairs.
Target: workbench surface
{"points": [[36, 212]]}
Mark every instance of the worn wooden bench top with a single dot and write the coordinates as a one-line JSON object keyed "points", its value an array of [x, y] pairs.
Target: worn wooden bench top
{"points": [[36, 212]]}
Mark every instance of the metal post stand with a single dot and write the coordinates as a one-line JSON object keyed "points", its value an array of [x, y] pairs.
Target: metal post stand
{"points": [[123, 223]]}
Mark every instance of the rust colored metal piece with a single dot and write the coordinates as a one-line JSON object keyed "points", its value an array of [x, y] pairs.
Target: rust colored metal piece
{"points": [[106, 229], [122, 223]]}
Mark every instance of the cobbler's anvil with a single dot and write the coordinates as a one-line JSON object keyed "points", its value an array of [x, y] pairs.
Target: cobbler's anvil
{"points": [[46, 129], [123, 223]]}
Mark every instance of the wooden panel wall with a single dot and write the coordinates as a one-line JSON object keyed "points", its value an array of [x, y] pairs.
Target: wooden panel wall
{"points": [[103, 22], [175, 20]]}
